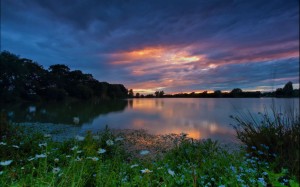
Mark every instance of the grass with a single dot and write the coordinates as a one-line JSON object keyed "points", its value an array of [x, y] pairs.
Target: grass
{"points": [[103, 160], [273, 137]]}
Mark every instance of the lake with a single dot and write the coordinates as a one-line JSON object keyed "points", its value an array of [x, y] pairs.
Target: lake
{"points": [[200, 118]]}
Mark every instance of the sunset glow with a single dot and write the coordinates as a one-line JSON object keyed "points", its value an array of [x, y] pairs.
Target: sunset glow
{"points": [[149, 46]]}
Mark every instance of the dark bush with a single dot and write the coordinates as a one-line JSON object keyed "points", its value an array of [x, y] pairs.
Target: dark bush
{"points": [[272, 137]]}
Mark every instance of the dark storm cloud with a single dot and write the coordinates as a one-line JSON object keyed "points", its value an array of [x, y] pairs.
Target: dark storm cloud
{"points": [[83, 35]]}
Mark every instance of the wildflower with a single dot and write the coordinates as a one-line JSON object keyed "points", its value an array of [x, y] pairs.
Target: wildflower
{"points": [[286, 180], [96, 137], [262, 181], [94, 175], [41, 156], [253, 147], [146, 171], [43, 144], [55, 170], [56, 160], [95, 159], [6, 163], [171, 172], [31, 109], [79, 138], [15, 146], [2, 143], [260, 152], [22, 168], [78, 152], [78, 159], [265, 173], [101, 151], [222, 185], [68, 156], [144, 152], [74, 148], [233, 169], [76, 120], [1, 172], [31, 159], [119, 139], [47, 135], [134, 165], [109, 142]]}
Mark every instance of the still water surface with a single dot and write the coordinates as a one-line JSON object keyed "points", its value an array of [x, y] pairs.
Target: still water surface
{"points": [[199, 117]]}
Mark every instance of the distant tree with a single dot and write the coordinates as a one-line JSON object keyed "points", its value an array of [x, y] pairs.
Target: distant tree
{"points": [[236, 92], [161, 93], [288, 89], [156, 93], [218, 93], [130, 93], [279, 92], [137, 95]]}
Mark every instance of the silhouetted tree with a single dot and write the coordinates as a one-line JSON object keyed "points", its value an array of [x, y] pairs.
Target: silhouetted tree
{"points": [[161, 93], [236, 92], [21, 78], [130, 93], [288, 89], [218, 93], [137, 95]]}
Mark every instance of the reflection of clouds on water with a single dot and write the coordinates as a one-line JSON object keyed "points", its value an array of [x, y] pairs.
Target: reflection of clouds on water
{"points": [[200, 118]]}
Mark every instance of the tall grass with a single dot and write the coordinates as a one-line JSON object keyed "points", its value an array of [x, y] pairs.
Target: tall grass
{"points": [[272, 136]]}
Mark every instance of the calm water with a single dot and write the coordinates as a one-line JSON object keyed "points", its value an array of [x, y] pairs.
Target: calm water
{"points": [[199, 117]]}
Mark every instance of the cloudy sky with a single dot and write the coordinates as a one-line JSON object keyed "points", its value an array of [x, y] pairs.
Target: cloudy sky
{"points": [[170, 45]]}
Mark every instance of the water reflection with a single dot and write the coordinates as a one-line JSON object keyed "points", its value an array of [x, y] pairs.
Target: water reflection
{"points": [[77, 113], [200, 118]]}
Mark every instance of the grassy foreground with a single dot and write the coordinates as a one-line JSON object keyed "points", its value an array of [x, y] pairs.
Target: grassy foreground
{"points": [[102, 160]]}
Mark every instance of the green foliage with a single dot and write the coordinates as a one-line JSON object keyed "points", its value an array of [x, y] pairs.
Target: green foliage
{"points": [[39, 161], [273, 138]]}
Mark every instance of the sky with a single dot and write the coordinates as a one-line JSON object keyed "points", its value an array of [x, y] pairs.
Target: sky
{"points": [[170, 45]]}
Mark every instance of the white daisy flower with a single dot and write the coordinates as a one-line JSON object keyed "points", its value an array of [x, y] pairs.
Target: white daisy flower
{"points": [[109, 142], [74, 148], [41, 156], [101, 151], [171, 172], [6, 163], [144, 152], [43, 145], [146, 171], [15, 146], [134, 165], [30, 159], [55, 170], [2, 143]]}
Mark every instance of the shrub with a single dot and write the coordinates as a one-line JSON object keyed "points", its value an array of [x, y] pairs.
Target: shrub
{"points": [[273, 137]]}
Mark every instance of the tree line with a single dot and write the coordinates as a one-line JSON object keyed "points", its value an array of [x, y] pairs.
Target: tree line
{"points": [[286, 91], [23, 79]]}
